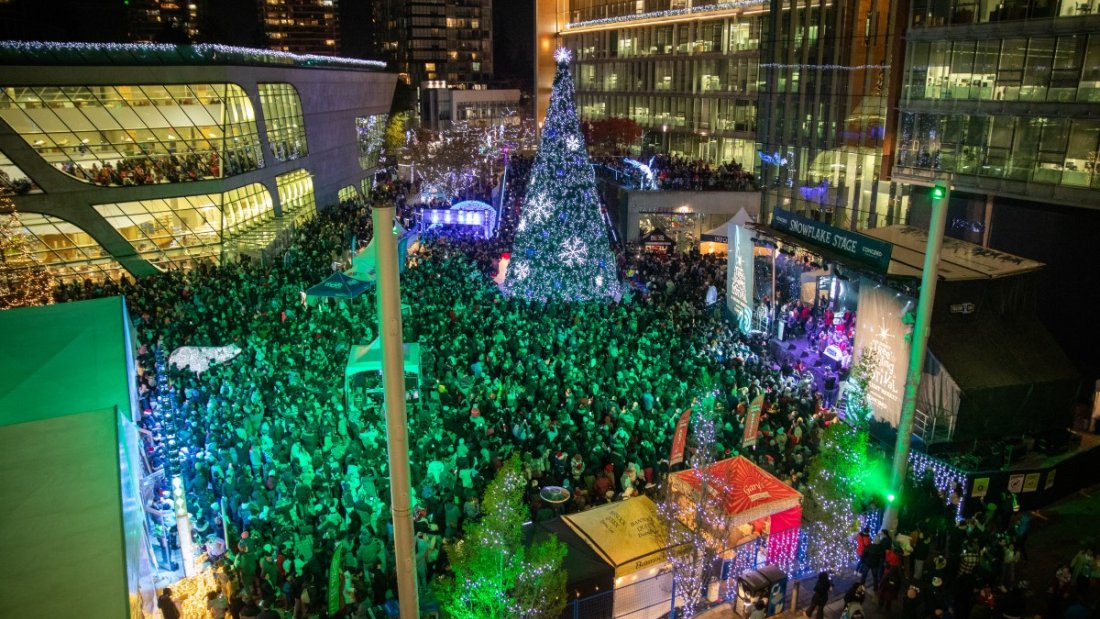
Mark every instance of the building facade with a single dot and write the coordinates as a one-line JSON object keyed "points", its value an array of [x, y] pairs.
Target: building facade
{"points": [[445, 40], [1003, 99], [441, 106], [687, 72], [830, 83], [301, 26], [161, 155]]}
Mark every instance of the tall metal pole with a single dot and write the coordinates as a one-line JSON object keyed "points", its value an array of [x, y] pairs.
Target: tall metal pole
{"points": [[397, 433], [919, 349]]}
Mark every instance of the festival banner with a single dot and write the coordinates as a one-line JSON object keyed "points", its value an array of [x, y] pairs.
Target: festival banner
{"points": [[679, 439], [879, 328], [739, 277], [752, 421], [335, 590]]}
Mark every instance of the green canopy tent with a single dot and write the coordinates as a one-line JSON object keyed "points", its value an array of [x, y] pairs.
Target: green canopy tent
{"points": [[338, 286], [72, 526]]}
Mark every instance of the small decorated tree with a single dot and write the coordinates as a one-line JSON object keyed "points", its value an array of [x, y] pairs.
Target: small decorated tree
{"points": [[495, 574], [23, 281], [696, 525]]}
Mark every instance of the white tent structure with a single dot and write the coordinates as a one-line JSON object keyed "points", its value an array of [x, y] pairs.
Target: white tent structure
{"points": [[367, 359]]}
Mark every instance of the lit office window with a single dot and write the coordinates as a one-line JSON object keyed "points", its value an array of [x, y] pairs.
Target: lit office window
{"points": [[296, 194], [183, 230], [286, 130], [137, 135], [69, 252], [347, 194], [13, 180]]}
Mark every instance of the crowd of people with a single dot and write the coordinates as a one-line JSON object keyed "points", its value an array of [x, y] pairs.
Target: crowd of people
{"points": [[675, 173], [168, 168], [587, 394]]}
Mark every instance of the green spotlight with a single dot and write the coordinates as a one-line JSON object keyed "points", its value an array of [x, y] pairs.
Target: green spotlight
{"points": [[939, 192], [890, 497]]}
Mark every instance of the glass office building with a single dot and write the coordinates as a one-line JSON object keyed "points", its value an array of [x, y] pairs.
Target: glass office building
{"points": [[112, 171], [1001, 98], [827, 111], [689, 74]]}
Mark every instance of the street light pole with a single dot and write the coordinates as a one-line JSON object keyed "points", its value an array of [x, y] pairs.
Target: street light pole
{"points": [[940, 194], [397, 433]]}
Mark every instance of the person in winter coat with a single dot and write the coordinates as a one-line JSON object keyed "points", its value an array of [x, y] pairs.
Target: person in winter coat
{"points": [[821, 596]]}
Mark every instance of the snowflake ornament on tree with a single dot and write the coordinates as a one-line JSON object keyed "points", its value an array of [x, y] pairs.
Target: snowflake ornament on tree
{"points": [[538, 208], [572, 142], [573, 252], [521, 271]]}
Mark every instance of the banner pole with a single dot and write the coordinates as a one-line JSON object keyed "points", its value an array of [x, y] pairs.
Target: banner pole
{"points": [[940, 197]]}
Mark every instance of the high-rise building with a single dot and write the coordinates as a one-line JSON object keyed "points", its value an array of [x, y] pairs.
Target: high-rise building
{"points": [[830, 80], [301, 26], [439, 40], [687, 72], [159, 20], [1002, 99]]}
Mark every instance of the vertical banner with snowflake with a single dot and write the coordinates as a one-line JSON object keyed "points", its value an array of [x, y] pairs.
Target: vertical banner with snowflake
{"points": [[879, 327], [739, 277], [562, 249]]}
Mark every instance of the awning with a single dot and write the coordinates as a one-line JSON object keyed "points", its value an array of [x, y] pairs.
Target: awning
{"points": [[745, 490], [369, 358], [625, 534], [339, 286]]}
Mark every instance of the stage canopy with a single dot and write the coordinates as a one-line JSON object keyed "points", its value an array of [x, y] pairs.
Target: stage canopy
{"points": [[588, 573], [71, 527], [625, 534], [747, 492], [339, 286]]}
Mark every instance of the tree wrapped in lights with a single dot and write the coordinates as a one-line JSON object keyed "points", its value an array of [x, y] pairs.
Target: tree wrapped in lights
{"points": [[458, 159], [23, 281], [562, 249], [834, 489], [495, 574], [696, 524], [857, 405]]}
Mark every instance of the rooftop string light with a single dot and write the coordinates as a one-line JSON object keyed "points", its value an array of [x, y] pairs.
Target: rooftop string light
{"points": [[203, 51]]}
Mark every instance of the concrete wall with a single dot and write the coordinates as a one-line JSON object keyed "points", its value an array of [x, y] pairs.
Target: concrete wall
{"points": [[715, 207], [331, 100]]}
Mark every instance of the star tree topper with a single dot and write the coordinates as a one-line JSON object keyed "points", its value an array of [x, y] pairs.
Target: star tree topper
{"points": [[563, 55]]}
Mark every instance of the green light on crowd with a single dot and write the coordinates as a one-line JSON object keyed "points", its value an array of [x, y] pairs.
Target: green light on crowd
{"points": [[939, 192]]}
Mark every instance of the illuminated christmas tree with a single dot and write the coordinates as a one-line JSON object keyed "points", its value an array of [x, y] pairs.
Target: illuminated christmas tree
{"points": [[495, 573], [562, 249], [835, 485], [23, 281]]}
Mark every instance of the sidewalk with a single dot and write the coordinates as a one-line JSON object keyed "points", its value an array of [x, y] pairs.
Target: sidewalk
{"points": [[833, 610]]}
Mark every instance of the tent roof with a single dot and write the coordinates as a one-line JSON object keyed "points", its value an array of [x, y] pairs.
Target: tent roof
{"points": [[747, 491], [472, 205], [625, 534], [63, 359], [368, 358], [998, 352], [588, 572], [959, 260], [340, 286], [64, 388], [657, 237]]}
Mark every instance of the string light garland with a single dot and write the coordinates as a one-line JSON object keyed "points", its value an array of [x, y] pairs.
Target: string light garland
{"points": [[204, 51], [945, 477], [718, 6], [824, 67], [562, 238]]}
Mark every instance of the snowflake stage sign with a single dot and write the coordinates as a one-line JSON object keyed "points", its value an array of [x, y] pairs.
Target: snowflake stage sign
{"points": [[562, 250]]}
